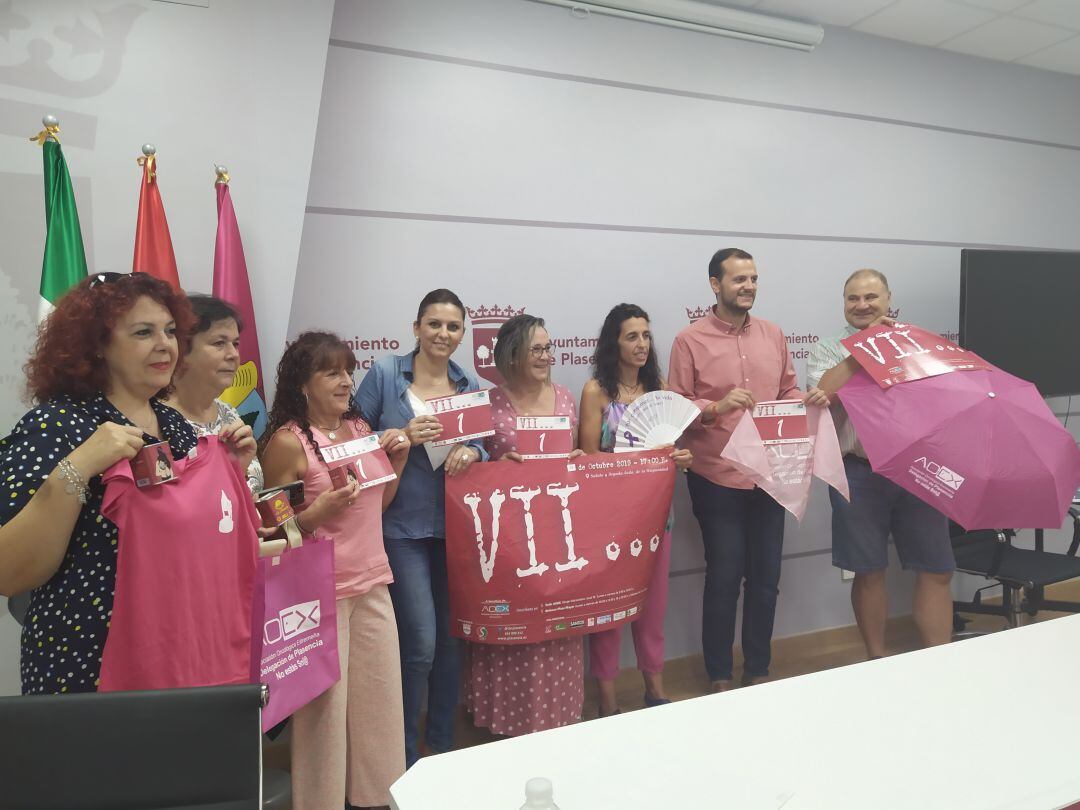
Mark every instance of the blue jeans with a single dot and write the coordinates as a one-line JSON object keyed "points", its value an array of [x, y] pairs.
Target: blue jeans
{"points": [[743, 533], [429, 655]]}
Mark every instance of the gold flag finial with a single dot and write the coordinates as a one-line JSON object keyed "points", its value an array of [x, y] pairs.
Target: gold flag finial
{"points": [[147, 159], [52, 127], [222, 173]]}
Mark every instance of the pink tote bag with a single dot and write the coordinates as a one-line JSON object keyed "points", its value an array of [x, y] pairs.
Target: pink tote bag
{"points": [[294, 647]]}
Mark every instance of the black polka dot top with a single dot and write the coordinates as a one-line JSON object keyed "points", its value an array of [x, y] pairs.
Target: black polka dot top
{"points": [[68, 618]]}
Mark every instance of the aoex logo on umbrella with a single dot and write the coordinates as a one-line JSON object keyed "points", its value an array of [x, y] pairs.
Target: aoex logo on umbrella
{"points": [[923, 467]]}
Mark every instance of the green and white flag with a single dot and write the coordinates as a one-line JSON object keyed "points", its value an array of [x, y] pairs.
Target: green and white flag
{"points": [[64, 263]]}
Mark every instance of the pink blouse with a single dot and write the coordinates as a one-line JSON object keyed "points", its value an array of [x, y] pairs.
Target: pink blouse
{"points": [[502, 410], [359, 557]]}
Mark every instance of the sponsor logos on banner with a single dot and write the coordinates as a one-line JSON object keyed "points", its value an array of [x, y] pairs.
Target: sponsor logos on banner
{"points": [[935, 478], [529, 546]]}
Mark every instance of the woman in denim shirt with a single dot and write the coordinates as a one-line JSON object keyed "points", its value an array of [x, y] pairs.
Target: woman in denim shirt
{"points": [[393, 395]]}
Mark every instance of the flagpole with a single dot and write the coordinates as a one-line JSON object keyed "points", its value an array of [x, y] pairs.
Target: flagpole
{"points": [[231, 284], [63, 261], [153, 244]]}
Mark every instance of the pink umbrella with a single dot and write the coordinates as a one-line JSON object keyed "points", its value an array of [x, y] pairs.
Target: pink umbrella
{"points": [[980, 446]]}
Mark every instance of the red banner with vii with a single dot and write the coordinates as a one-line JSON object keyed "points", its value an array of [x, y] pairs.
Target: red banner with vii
{"points": [[551, 548]]}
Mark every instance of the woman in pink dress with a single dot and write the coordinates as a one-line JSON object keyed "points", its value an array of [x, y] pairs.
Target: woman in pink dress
{"points": [[515, 689], [627, 368]]}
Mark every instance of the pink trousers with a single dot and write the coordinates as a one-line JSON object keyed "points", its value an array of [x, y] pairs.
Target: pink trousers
{"points": [[648, 629], [349, 743]]}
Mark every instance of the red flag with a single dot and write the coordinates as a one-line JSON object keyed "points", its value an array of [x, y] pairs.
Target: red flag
{"points": [[231, 285], [153, 245]]}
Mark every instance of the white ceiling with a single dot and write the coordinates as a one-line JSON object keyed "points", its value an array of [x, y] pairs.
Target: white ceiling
{"points": [[1040, 33]]}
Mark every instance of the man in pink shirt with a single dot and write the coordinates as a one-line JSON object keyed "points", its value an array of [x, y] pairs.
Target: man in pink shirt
{"points": [[726, 362]]}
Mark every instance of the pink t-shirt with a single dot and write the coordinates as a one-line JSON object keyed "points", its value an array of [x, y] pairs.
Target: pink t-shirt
{"points": [[359, 557], [185, 571], [505, 418]]}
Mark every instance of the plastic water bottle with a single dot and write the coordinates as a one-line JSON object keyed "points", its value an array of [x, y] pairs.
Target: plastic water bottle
{"points": [[538, 794]]}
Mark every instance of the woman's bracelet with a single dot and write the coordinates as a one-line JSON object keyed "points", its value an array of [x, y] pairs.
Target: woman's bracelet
{"points": [[74, 483], [300, 526]]}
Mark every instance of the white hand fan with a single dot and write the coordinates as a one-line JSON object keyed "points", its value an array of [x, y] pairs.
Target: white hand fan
{"points": [[653, 420]]}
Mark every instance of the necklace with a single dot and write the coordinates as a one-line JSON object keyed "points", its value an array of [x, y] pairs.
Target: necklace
{"points": [[629, 389], [331, 433]]}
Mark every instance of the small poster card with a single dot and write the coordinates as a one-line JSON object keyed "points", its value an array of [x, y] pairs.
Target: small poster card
{"points": [[153, 465], [781, 421], [361, 460], [274, 507], [544, 436], [901, 353], [463, 417]]}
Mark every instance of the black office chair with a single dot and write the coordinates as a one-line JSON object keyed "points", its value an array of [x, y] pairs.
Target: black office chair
{"points": [[1022, 573], [173, 749]]}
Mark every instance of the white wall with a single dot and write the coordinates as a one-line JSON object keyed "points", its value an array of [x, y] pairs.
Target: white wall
{"points": [[525, 158], [521, 157], [236, 83]]}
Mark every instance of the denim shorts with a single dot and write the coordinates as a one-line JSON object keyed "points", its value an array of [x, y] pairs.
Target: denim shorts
{"points": [[878, 508]]}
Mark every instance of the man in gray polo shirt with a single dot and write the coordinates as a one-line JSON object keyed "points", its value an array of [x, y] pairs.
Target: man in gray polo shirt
{"points": [[879, 507]]}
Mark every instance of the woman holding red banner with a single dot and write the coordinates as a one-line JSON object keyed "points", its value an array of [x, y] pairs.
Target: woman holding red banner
{"points": [[394, 394], [516, 689], [348, 743], [626, 367]]}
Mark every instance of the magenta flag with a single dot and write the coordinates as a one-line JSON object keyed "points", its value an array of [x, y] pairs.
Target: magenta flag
{"points": [[231, 285]]}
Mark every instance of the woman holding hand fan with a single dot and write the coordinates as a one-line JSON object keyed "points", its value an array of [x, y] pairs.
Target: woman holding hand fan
{"points": [[626, 369]]}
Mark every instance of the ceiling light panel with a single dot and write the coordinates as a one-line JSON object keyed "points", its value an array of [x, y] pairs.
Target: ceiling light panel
{"points": [[924, 22], [829, 12]]}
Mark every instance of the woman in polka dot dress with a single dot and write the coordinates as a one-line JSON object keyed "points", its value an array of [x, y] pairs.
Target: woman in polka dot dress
{"points": [[102, 358], [520, 688]]}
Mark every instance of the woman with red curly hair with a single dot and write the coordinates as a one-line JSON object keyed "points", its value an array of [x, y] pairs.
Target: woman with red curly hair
{"points": [[102, 359]]}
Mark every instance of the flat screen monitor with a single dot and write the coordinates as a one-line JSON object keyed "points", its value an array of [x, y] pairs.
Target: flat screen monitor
{"points": [[1019, 310]]}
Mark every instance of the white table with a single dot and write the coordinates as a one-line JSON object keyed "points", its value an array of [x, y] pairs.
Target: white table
{"points": [[991, 722]]}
